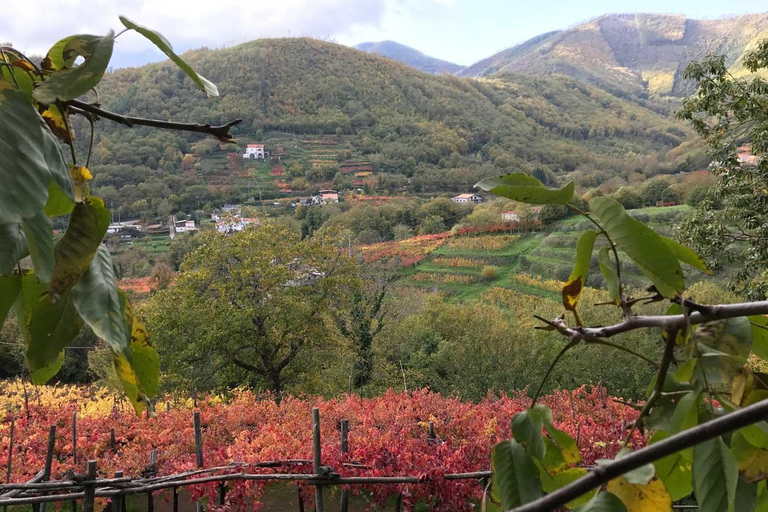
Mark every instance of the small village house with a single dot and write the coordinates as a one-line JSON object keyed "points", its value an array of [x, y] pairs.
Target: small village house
{"points": [[255, 152], [329, 196], [180, 226], [467, 198], [510, 216]]}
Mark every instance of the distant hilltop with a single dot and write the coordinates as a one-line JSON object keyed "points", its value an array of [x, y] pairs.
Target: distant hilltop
{"points": [[410, 57]]}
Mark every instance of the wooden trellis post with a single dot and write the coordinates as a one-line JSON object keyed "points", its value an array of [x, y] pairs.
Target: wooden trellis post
{"points": [[118, 502], [198, 446], [344, 449], [316, 448], [48, 462], [90, 488], [152, 465], [10, 458]]}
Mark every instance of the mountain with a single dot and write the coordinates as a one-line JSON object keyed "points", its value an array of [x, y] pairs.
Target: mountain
{"points": [[634, 55], [420, 132], [410, 57]]}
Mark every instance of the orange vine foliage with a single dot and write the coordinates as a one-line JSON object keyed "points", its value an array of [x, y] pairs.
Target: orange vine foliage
{"points": [[409, 251], [388, 433]]}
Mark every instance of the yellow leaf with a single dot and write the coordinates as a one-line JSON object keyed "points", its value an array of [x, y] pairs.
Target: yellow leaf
{"points": [[642, 498], [742, 385], [80, 173], [55, 121]]}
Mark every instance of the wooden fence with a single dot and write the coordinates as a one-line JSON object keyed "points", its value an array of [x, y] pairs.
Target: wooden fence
{"points": [[40, 490]]}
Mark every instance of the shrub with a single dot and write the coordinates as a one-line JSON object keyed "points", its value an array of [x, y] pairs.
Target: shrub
{"points": [[489, 272]]}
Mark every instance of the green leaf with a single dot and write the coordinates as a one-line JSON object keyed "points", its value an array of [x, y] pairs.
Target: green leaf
{"points": [[732, 336], [527, 428], [759, 335], [686, 413], [752, 461], [29, 157], [52, 326], [603, 502], [686, 254], [715, 476], [552, 482], [685, 372], [647, 249], [608, 269], [14, 247], [578, 278], [567, 445], [716, 367], [746, 496], [63, 54], [47, 372], [74, 251], [164, 46], [515, 479], [74, 81], [10, 289], [681, 335], [38, 231], [97, 300], [674, 470], [145, 361], [526, 189], [58, 202], [638, 476]]}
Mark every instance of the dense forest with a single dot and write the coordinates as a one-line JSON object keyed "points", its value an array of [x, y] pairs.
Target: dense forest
{"points": [[422, 133]]}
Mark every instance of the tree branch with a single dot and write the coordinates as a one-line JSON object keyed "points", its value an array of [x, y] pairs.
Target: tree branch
{"points": [[668, 322], [221, 132], [686, 439]]}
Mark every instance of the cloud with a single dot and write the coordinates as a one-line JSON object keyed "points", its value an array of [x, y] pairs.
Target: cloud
{"points": [[186, 23]]}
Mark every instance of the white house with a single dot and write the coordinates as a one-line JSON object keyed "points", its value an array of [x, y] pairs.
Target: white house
{"points": [[255, 151], [119, 226], [510, 216], [467, 198], [181, 226]]}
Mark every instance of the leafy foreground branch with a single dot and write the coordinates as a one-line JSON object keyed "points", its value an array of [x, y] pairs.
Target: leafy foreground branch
{"points": [[706, 408], [608, 471], [71, 281]]}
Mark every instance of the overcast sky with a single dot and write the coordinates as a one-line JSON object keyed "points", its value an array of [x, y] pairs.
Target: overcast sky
{"points": [[461, 31]]}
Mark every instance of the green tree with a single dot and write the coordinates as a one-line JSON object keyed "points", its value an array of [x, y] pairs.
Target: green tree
{"points": [[654, 191], [628, 198], [730, 226], [431, 225], [248, 306]]}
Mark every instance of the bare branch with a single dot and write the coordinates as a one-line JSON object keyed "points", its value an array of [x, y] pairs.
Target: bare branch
{"points": [[668, 322], [221, 132]]}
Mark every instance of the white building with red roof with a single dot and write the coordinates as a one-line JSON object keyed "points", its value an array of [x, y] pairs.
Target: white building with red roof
{"points": [[255, 151]]}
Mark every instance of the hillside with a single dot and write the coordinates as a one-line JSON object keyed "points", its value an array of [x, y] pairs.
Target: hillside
{"points": [[409, 56], [417, 132], [636, 55]]}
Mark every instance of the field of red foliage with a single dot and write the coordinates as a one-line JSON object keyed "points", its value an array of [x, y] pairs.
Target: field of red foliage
{"points": [[388, 434], [408, 252]]}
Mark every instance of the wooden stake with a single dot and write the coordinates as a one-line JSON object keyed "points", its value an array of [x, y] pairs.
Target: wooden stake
{"points": [[167, 407], [301, 500], [431, 431], [198, 439], [74, 438], [399, 503], [222, 493], [117, 501], [48, 460], [175, 499], [317, 450], [112, 442], [344, 449], [90, 489], [198, 445], [10, 459]]}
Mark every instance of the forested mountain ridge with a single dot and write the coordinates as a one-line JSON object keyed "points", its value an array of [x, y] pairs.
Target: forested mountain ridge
{"points": [[429, 133], [630, 55], [409, 56]]}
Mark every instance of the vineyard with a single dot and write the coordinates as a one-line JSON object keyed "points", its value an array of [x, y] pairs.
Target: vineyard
{"points": [[422, 438]]}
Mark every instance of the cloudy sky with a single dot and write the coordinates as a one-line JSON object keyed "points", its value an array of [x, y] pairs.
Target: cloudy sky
{"points": [[461, 31]]}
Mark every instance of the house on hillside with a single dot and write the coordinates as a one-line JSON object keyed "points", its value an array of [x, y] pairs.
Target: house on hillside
{"points": [[467, 198], [234, 224], [180, 226], [255, 152], [329, 196], [510, 217]]}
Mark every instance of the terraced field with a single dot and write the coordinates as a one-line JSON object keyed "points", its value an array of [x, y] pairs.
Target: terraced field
{"points": [[534, 263]]}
